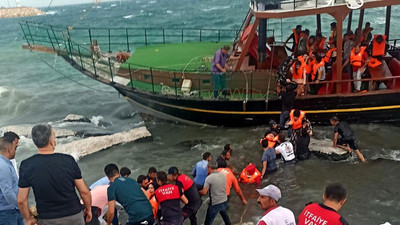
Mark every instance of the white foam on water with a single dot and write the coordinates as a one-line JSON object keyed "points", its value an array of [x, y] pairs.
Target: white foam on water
{"points": [[169, 11], [215, 8], [152, 2], [325, 146], [128, 16], [141, 11], [113, 5], [3, 90], [96, 7], [96, 120], [51, 12], [150, 14]]}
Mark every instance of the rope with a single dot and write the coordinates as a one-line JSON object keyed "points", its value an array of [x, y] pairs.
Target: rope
{"points": [[65, 76], [244, 211]]}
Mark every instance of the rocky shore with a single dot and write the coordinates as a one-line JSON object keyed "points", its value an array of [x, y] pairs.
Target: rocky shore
{"points": [[20, 12]]}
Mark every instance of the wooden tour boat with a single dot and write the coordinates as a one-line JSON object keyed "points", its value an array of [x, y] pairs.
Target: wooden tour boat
{"points": [[168, 73]]}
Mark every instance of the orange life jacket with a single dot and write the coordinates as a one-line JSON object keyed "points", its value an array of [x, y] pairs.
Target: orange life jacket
{"points": [[271, 140], [356, 59], [329, 54], [298, 123], [154, 204], [246, 178], [297, 74], [315, 69], [321, 43], [378, 49], [373, 62], [296, 37]]}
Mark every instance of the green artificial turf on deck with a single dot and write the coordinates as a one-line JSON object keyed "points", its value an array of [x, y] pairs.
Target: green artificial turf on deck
{"points": [[194, 56]]}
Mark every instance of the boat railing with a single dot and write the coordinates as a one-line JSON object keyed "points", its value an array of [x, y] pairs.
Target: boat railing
{"points": [[293, 4]]}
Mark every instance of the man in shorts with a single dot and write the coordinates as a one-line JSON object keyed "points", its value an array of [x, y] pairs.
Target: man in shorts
{"points": [[347, 140]]}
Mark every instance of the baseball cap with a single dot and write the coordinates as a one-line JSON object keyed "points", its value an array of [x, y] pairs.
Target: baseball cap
{"points": [[271, 191], [173, 170], [272, 123]]}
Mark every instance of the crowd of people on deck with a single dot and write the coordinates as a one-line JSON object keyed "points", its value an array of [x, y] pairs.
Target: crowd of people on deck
{"points": [[156, 198], [314, 57]]}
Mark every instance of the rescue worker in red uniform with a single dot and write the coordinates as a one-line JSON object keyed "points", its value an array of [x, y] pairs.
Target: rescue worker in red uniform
{"points": [[169, 197], [327, 212], [189, 190]]}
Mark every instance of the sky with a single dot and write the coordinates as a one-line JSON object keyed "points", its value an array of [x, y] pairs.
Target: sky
{"points": [[45, 3]]}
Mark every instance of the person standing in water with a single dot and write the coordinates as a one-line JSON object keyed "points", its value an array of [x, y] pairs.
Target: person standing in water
{"points": [[347, 140]]}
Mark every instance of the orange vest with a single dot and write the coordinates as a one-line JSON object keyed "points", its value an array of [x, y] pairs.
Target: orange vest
{"points": [[315, 69], [297, 74], [356, 59], [321, 43], [298, 123], [154, 203], [244, 178], [296, 37], [271, 140], [329, 54], [378, 49], [373, 62]]}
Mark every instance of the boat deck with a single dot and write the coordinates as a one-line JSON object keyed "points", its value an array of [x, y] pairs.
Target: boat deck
{"points": [[191, 56]]}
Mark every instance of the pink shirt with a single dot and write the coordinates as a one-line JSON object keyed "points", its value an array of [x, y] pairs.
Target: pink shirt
{"points": [[99, 196]]}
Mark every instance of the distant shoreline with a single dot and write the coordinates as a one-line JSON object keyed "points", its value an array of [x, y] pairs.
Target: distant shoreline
{"points": [[20, 12]]}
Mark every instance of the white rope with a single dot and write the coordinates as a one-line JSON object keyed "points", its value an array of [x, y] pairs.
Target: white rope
{"points": [[244, 211]]}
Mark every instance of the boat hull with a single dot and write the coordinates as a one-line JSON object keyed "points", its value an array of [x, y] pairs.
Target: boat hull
{"points": [[371, 108]]}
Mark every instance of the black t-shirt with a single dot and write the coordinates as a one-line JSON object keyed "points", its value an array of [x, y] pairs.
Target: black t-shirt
{"points": [[221, 162], [288, 99], [52, 178], [344, 130], [192, 194], [153, 181]]}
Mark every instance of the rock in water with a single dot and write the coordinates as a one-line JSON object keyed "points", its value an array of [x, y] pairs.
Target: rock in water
{"points": [[26, 129], [76, 118], [20, 12], [324, 149], [90, 145]]}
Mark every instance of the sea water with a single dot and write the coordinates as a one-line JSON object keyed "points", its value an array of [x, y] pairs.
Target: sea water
{"points": [[31, 92]]}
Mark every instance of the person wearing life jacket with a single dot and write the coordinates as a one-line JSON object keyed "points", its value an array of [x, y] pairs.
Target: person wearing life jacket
{"points": [[377, 50], [330, 56], [320, 42], [271, 139], [333, 200], [332, 37], [302, 45], [231, 181], [317, 74], [273, 127], [359, 61], [299, 76], [296, 118], [153, 201], [189, 190], [302, 130], [311, 44], [295, 36], [250, 174], [274, 213], [366, 34]]}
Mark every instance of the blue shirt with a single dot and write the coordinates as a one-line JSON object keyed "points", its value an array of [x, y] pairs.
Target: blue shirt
{"points": [[269, 156], [200, 172], [8, 185], [102, 181]]}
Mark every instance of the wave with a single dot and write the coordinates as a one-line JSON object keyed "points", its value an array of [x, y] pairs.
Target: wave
{"points": [[152, 2], [52, 12], [128, 16], [113, 5], [169, 11], [215, 8]]}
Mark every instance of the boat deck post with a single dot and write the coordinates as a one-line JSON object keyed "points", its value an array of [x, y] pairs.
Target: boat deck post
{"points": [[319, 23], [349, 21], [262, 39], [361, 19], [387, 24]]}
